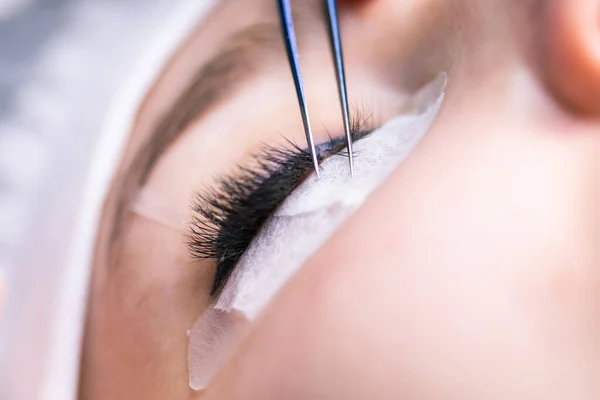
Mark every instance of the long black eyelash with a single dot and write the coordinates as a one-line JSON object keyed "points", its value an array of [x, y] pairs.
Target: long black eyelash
{"points": [[227, 217]]}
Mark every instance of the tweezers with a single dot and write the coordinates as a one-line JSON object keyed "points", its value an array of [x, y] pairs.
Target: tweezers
{"points": [[289, 38]]}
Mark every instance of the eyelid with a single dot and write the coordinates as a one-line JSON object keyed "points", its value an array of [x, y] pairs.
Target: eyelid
{"points": [[152, 206]]}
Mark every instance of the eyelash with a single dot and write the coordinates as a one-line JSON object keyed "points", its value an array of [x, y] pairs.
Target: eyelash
{"points": [[226, 218]]}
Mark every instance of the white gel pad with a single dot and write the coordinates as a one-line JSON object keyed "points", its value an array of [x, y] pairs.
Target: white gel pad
{"points": [[306, 219]]}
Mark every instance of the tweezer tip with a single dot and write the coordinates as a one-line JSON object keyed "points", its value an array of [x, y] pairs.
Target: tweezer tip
{"points": [[349, 147], [316, 165]]}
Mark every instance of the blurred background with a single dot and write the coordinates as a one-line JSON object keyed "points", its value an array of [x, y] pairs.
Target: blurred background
{"points": [[61, 64]]}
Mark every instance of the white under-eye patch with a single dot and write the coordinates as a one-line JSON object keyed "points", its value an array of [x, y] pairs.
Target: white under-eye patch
{"points": [[306, 219]]}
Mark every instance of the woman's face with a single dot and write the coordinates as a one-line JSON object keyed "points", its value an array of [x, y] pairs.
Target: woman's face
{"points": [[472, 269]]}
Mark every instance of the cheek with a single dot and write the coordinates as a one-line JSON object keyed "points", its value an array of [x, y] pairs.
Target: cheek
{"points": [[136, 341], [478, 254], [469, 271]]}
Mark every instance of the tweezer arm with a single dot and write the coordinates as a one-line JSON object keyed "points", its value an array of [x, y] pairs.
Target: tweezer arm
{"points": [[289, 38], [336, 44]]}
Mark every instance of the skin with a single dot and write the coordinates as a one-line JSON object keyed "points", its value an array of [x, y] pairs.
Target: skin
{"points": [[478, 277]]}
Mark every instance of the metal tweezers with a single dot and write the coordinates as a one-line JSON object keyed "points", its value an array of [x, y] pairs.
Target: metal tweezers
{"points": [[289, 38]]}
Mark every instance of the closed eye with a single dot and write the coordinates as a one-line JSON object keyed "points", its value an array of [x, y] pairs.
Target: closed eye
{"points": [[227, 217]]}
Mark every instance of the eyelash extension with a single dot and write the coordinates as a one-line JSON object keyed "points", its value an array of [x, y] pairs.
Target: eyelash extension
{"points": [[226, 218]]}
